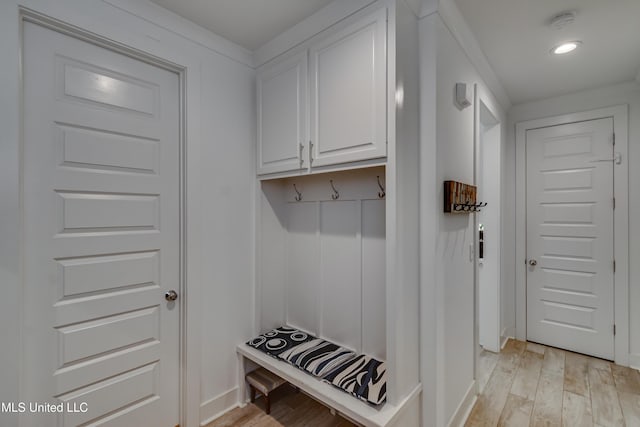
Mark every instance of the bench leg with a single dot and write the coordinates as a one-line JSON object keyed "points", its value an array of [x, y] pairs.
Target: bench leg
{"points": [[242, 385], [268, 403], [253, 393]]}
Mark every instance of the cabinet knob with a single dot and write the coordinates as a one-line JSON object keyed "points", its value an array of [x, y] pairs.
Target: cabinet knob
{"points": [[171, 295], [533, 262]]}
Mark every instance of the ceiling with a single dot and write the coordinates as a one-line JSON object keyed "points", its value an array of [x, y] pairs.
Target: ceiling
{"points": [[516, 39], [514, 35], [249, 23]]}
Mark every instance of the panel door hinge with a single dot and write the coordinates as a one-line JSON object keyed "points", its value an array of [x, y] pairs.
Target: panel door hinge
{"points": [[614, 265], [614, 329], [614, 138], [310, 152], [614, 203]]}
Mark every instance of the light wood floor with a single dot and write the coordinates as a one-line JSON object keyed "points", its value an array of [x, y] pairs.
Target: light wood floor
{"points": [[529, 384], [288, 408]]}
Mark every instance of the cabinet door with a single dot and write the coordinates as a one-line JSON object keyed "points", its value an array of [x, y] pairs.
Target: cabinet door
{"points": [[282, 115], [348, 93]]}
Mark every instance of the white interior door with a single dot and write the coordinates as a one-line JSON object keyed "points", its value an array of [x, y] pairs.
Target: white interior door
{"points": [[101, 233], [570, 237]]}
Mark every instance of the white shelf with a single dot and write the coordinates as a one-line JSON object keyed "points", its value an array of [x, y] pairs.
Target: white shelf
{"points": [[331, 396]]}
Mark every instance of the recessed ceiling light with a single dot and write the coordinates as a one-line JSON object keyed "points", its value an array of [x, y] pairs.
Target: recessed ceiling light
{"points": [[566, 47]]}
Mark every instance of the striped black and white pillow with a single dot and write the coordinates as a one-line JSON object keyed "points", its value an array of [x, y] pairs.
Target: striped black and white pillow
{"points": [[318, 357], [363, 377], [279, 340]]}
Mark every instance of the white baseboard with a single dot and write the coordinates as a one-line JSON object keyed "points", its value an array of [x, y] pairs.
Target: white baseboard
{"points": [[464, 408], [218, 406], [634, 361]]}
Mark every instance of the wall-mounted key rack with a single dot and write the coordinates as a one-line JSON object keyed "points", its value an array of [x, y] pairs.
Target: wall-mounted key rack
{"points": [[461, 198]]}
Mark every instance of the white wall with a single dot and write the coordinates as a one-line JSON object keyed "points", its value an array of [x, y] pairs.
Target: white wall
{"points": [[455, 155], [228, 179], [628, 93], [221, 139], [330, 256], [453, 271]]}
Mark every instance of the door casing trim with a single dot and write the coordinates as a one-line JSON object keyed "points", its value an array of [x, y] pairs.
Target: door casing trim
{"points": [[620, 116]]}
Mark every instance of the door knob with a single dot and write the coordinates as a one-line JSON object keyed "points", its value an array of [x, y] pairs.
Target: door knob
{"points": [[533, 262], [171, 295]]}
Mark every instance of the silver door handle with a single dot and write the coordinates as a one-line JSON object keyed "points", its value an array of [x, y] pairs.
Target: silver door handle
{"points": [[171, 295], [617, 159], [533, 262]]}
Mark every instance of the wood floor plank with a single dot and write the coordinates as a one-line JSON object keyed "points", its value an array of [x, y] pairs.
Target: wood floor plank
{"points": [[576, 374], [510, 355], [516, 412], [626, 379], [601, 364], [576, 410], [525, 382], [547, 410], [513, 347], [605, 405], [630, 403], [236, 417], [486, 363], [489, 405], [553, 362], [536, 348], [288, 408]]}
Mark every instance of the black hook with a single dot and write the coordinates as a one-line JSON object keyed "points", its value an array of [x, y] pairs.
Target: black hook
{"points": [[381, 193], [298, 195], [335, 195]]}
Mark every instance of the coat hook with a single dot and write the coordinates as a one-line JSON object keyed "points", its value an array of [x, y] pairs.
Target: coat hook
{"points": [[298, 195], [381, 193], [335, 195]]}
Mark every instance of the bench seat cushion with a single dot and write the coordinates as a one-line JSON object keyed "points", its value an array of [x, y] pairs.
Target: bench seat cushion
{"points": [[363, 377], [279, 340], [318, 357]]}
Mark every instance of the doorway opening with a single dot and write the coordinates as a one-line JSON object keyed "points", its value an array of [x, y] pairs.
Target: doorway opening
{"points": [[487, 229]]}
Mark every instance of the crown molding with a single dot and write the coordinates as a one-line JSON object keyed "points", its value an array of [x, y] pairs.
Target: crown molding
{"points": [[157, 15]]}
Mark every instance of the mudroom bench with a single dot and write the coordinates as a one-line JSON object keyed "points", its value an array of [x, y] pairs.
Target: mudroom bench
{"points": [[348, 406]]}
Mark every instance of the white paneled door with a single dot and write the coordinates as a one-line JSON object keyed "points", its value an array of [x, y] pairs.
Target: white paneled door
{"points": [[570, 260], [101, 232]]}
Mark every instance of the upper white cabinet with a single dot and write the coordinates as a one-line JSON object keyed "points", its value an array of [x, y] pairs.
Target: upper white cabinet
{"points": [[348, 93], [346, 109], [282, 115]]}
